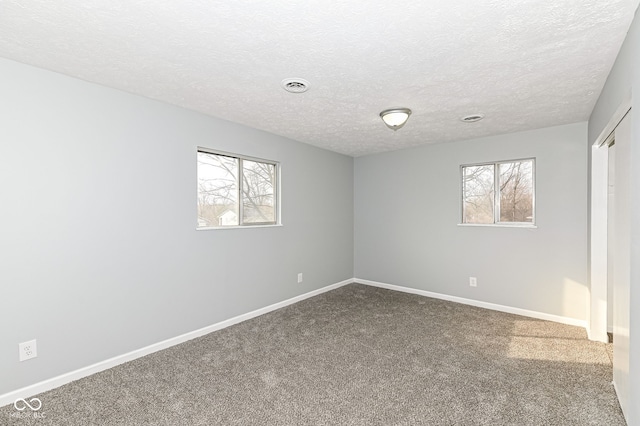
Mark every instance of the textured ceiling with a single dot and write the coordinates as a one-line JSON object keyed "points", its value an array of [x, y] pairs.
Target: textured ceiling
{"points": [[523, 64]]}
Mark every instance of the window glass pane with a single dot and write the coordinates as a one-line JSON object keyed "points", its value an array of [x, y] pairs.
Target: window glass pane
{"points": [[258, 195], [478, 189], [217, 190], [516, 191]]}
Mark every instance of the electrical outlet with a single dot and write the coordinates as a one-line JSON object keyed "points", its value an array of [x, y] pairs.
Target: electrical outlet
{"points": [[28, 350], [299, 277], [473, 281]]}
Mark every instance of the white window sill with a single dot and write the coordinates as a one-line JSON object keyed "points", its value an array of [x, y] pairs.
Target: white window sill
{"points": [[219, 228], [500, 225]]}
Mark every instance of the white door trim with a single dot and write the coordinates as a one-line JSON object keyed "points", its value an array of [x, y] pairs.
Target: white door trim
{"points": [[598, 256]]}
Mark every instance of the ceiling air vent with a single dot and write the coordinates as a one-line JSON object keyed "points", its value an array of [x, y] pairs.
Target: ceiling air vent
{"points": [[472, 118], [295, 85]]}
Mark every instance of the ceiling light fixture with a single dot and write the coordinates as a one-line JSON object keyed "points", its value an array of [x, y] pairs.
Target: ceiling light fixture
{"points": [[472, 118], [395, 118]]}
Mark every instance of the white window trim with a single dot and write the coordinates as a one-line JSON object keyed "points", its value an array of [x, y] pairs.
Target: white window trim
{"points": [[249, 226], [496, 197], [501, 225], [276, 189]]}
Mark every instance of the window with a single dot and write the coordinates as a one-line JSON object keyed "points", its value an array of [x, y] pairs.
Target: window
{"points": [[499, 193], [236, 191]]}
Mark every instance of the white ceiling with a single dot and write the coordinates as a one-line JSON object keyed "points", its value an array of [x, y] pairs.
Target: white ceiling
{"points": [[524, 64]]}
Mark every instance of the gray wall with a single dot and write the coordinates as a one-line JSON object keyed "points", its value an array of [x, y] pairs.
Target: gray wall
{"points": [[623, 80], [99, 252], [407, 209]]}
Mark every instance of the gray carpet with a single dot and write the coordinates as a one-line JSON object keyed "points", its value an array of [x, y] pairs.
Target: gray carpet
{"points": [[357, 355]]}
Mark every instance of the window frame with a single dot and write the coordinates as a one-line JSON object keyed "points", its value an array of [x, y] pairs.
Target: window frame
{"points": [[496, 194], [241, 158]]}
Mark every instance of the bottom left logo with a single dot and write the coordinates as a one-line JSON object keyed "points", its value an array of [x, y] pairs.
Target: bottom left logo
{"points": [[21, 404]]}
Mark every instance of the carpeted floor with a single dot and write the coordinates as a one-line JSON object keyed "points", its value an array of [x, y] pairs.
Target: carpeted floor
{"points": [[357, 355]]}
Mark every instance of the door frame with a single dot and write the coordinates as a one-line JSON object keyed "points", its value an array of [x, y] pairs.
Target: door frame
{"points": [[598, 240]]}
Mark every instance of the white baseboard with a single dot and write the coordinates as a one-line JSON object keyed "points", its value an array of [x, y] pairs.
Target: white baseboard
{"points": [[31, 390], [597, 336], [486, 305]]}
